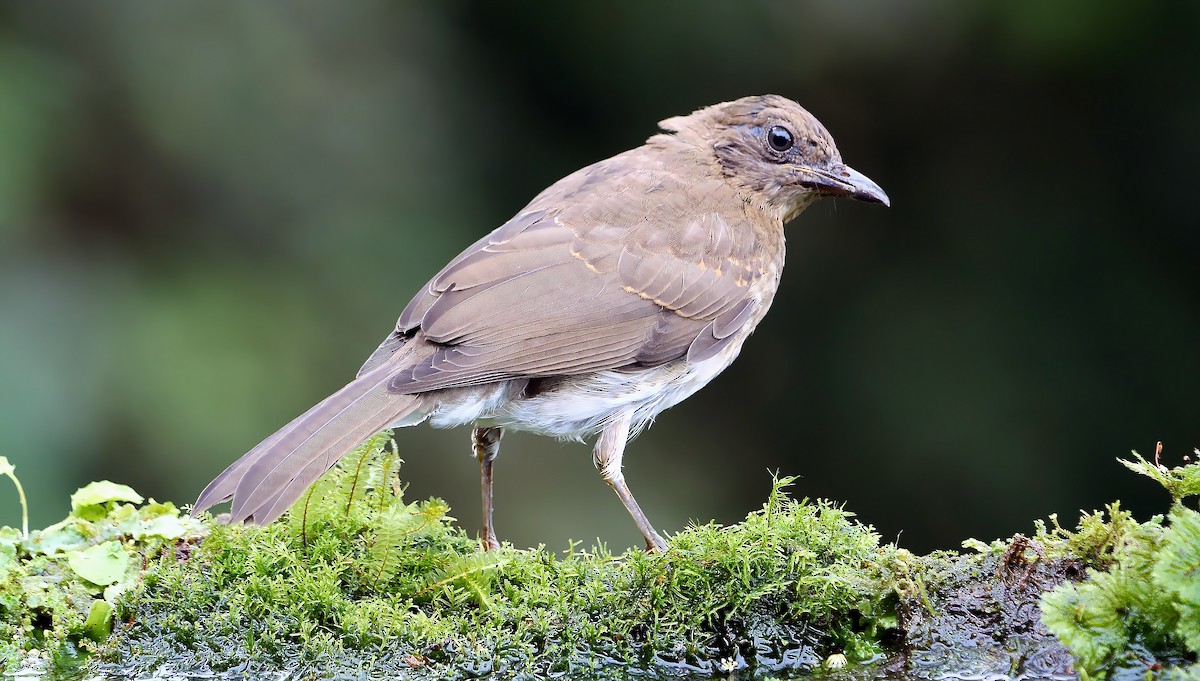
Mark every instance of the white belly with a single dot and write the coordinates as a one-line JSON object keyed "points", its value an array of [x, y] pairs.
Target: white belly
{"points": [[573, 407]]}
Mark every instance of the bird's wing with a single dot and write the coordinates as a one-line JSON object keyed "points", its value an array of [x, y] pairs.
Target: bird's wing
{"points": [[634, 277]]}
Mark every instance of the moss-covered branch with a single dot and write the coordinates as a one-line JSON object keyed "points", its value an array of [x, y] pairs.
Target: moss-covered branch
{"points": [[357, 579]]}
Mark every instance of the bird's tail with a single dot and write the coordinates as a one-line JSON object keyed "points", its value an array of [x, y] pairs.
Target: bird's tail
{"points": [[268, 479]]}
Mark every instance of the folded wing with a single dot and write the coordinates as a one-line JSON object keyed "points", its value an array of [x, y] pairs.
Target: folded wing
{"points": [[620, 280]]}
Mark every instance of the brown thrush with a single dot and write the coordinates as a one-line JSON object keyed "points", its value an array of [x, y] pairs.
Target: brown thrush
{"points": [[617, 292]]}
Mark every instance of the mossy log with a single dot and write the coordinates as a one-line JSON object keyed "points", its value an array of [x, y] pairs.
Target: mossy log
{"points": [[357, 581]]}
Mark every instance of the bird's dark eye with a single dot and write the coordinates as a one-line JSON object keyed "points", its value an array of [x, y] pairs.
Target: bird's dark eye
{"points": [[780, 138]]}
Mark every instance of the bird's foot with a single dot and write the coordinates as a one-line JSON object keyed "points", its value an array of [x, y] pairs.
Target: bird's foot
{"points": [[488, 541], [655, 544]]}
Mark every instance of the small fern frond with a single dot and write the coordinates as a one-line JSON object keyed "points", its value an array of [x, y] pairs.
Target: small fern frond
{"points": [[471, 572], [396, 524], [362, 467], [349, 484]]}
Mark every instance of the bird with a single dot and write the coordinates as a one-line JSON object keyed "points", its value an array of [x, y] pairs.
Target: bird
{"points": [[616, 293]]}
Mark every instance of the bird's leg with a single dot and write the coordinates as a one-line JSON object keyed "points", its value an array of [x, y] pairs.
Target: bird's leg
{"points": [[610, 449], [486, 443]]}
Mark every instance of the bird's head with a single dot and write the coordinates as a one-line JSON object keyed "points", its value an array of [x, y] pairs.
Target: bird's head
{"points": [[776, 150]]}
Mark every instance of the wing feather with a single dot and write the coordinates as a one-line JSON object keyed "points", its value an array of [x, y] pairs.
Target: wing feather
{"points": [[618, 278]]}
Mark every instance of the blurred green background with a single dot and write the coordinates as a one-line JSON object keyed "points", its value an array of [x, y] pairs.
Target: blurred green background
{"points": [[210, 213]]}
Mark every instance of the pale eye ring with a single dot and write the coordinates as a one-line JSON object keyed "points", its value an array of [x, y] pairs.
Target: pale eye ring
{"points": [[780, 138]]}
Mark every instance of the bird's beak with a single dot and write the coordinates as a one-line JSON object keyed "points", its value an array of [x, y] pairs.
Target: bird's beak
{"points": [[842, 180]]}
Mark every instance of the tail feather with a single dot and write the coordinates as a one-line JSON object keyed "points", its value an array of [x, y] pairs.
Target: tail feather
{"points": [[269, 478], [222, 487], [317, 455]]}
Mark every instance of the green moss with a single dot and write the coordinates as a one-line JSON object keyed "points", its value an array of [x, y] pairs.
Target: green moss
{"points": [[357, 580], [1140, 603], [357, 577]]}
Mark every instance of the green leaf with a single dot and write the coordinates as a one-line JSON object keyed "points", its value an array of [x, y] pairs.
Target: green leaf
{"points": [[163, 527], [88, 502], [8, 551], [99, 621], [152, 521], [66, 535], [153, 509], [103, 564], [114, 591], [37, 591]]}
